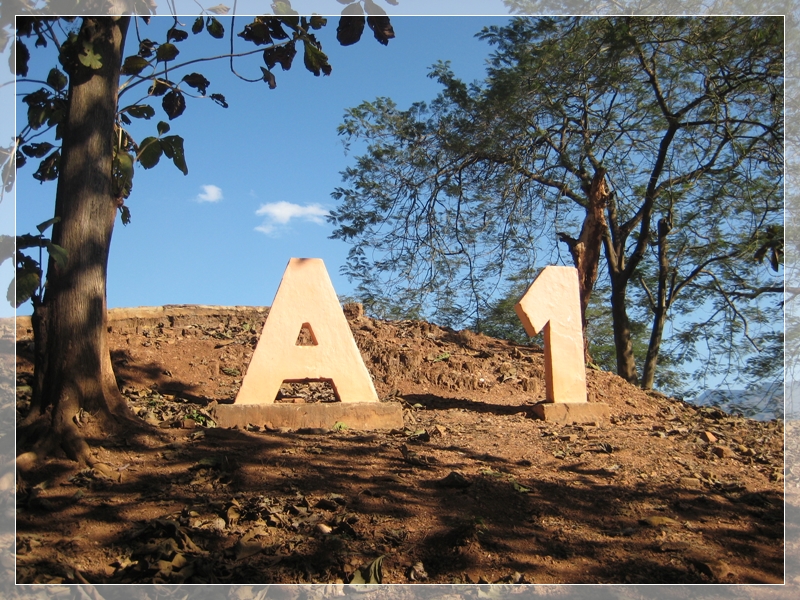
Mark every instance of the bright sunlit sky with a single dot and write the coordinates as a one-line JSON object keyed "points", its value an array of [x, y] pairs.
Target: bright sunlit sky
{"points": [[260, 172]]}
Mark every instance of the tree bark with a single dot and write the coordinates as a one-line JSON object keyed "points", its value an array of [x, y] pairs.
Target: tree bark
{"points": [[661, 305], [78, 375], [586, 249]]}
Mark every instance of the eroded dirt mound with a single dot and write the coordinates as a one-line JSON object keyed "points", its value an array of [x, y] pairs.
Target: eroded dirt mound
{"points": [[472, 489]]}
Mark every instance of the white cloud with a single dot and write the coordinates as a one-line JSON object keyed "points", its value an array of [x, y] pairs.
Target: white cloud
{"points": [[211, 193], [280, 213]]}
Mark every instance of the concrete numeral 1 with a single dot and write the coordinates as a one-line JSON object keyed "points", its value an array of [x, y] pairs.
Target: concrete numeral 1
{"points": [[552, 304]]}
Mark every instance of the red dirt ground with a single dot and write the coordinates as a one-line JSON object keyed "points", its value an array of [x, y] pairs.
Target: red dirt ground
{"points": [[472, 490]]}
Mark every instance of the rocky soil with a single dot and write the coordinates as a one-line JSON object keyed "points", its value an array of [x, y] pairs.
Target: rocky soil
{"points": [[473, 489]]}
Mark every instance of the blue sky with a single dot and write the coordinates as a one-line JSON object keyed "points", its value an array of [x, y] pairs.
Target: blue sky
{"points": [[261, 171]]}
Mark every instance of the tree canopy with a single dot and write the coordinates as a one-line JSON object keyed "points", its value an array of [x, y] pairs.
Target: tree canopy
{"points": [[652, 146], [110, 72]]}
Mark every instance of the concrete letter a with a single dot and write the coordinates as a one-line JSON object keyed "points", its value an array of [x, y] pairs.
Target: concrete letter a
{"points": [[306, 298]]}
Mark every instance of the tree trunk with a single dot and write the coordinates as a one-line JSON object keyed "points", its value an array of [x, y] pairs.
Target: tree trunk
{"points": [[661, 305], [586, 249], [626, 363], [78, 375]]}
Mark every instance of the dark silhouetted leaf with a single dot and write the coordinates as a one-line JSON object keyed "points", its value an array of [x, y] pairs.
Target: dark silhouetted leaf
{"points": [[269, 78], [141, 111], [257, 32], [197, 81], [49, 168], [37, 150], [176, 35], [134, 65], [215, 28], [197, 27], [125, 213], [167, 52], [283, 55], [315, 59], [276, 28], [378, 22], [350, 27], [160, 87], [219, 99], [22, 56], [174, 104], [56, 79], [162, 127], [146, 48], [149, 152], [7, 246], [173, 148]]}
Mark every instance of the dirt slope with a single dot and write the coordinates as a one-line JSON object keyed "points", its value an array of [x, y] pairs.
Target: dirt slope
{"points": [[472, 490]]}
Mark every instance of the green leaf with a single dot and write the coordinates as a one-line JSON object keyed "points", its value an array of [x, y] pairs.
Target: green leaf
{"points": [[521, 488], [215, 28], [58, 254], [269, 78], [371, 574], [89, 58], [167, 52], [27, 282], [315, 59], [149, 152], [197, 27], [56, 79], [173, 148], [318, 22], [123, 174], [174, 104], [283, 7], [134, 65], [197, 81], [140, 111], [42, 227], [162, 127]]}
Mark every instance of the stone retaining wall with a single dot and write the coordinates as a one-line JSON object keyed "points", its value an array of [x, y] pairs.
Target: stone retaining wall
{"points": [[135, 319]]}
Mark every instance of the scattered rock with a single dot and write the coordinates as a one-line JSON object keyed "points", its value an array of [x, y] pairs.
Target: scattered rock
{"points": [[708, 437]]}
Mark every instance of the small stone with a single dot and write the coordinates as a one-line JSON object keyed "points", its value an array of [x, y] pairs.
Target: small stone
{"points": [[708, 437], [188, 424], [722, 451], [323, 529], [690, 482], [659, 428], [568, 438], [659, 522]]}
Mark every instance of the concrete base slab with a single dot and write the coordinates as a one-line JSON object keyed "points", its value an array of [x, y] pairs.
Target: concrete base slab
{"points": [[359, 416], [571, 412]]}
